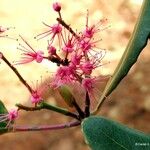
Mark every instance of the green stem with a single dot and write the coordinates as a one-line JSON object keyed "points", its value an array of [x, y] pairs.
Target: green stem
{"points": [[44, 105]]}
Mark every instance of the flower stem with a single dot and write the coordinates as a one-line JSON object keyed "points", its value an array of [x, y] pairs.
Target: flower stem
{"points": [[17, 73], [45, 127], [67, 27], [87, 105], [44, 105], [79, 110]]}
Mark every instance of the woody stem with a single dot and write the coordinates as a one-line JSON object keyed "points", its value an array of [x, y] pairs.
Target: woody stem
{"points": [[17, 73], [44, 105], [44, 127]]}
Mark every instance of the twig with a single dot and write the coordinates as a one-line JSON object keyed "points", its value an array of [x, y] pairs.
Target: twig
{"points": [[44, 105], [45, 127], [67, 27], [87, 105], [17, 73]]}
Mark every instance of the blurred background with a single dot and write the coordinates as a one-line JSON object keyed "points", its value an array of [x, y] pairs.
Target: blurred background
{"points": [[130, 102]]}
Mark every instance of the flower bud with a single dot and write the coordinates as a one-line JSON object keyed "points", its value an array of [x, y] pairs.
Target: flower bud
{"points": [[51, 50], [56, 6]]}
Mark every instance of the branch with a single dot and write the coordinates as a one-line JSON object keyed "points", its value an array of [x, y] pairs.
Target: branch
{"points": [[16, 72], [44, 105], [45, 127]]}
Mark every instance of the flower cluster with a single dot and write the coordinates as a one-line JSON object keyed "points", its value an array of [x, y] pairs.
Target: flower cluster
{"points": [[77, 56]]}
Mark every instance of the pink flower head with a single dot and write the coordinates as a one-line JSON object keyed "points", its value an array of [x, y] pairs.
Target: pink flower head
{"points": [[90, 31], [35, 97], [94, 86], [37, 91], [93, 62], [87, 67], [9, 117], [64, 75], [51, 50], [69, 44], [13, 114], [88, 83], [53, 31], [29, 54], [57, 6], [85, 45], [76, 59]]}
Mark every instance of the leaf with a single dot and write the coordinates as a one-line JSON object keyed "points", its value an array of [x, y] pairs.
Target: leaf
{"points": [[3, 110], [104, 134], [67, 95], [136, 44]]}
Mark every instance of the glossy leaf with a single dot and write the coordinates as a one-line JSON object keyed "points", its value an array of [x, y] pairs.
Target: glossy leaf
{"points": [[3, 110], [104, 134], [136, 44]]}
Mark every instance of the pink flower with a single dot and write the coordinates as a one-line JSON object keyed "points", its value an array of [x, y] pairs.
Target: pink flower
{"points": [[29, 54], [53, 31], [56, 6], [13, 114], [9, 117], [93, 85], [87, 67], [91, 30], [69, 44], [86, 45], [92, 62], [36, 97], [88, 83], [38, 91], [76, 59], [51, 50], [64, 75]]}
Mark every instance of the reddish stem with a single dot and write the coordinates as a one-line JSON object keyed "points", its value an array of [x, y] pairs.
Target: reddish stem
{"points": [[45, 127], [17, 73]]}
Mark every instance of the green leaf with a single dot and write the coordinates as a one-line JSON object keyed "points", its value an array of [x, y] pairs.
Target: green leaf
{"points": [[3, 110], [136, 44], [104, 134], [67, 95]]}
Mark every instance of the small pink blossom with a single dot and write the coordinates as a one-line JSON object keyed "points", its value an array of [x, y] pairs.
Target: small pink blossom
{"points": [[64, 75], [86, 45], [13, 114], [36, 97], [29, 54], [90, 31], [87, 67], [51, 50], [57, 6], [69, 44], [76, 59], [37, 91], [88, 83], [54, 30], [9, 117], [93, 85]]}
